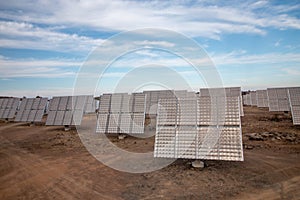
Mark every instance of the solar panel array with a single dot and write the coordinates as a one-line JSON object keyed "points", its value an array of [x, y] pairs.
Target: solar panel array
{"points": [[31, 110], [294, 97], [121, 113], [66, 110], [199, 128], [278, 99], [262, 98], [8, 107]]}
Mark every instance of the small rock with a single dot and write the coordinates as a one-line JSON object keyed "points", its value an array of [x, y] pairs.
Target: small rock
{"points": [[290, 139], [248, 146], [198, 164], [278, 138], [265, 134], [255, 136]]}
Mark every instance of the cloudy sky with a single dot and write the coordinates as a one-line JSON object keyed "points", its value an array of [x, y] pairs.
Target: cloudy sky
{"points": [[43, 44]]}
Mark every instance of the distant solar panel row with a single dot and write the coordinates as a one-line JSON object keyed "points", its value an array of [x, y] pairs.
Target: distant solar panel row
{"points": [[294, 97], [31, 110], [121, 113], [8, 107], [199, 128]]}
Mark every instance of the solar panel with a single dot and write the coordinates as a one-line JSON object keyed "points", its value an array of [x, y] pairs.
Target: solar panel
{"points": [[220, 143], [51, 118], [102, 122], [25, 115], [214, 134], [66, 110], [68, 117], [138, 120], [278, 99], [139, 102], [262, 98], [63, 103], [77, 117], [187, 112], [8, 107], [294, 98], [31, 110], [125, 123], [228, 92], [253, 98], [154, 96], [104, 104], [113, 123], [121, 113], [90, 106]]}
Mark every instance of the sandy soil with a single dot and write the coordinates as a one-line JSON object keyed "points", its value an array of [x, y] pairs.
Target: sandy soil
{"points": [[39, 162]]}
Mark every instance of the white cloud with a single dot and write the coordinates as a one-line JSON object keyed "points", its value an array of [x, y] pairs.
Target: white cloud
{"points": [[234, 58], [50, 68], [198, 19], [25, 35]]}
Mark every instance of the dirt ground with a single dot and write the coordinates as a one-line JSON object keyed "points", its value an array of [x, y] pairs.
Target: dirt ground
{"points": [[39, 162]]}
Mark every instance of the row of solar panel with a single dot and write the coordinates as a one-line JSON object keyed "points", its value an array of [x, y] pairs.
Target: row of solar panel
{"points": [[277, 99], [61, 109]]}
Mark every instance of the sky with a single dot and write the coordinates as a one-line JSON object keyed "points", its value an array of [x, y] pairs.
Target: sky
{"points": [[45, 45]]}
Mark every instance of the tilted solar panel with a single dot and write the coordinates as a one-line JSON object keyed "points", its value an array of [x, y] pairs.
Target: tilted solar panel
{"points": [[215, 133], [278, 99], [294, 99], [31, 110], [8, 107]]}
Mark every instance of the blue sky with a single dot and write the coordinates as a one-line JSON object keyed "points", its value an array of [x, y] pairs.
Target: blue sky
{"points": [[43, 44]]}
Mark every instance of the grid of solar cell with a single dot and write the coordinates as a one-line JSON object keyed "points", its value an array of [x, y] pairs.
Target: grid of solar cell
{"points": [[121, 113], [91, 104], [214, 134], [8, 107], [294, 98], [66, 110], [262, 98], [253, 98], [152, 98], [31, 110], [278, 99], [228, 92]]}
